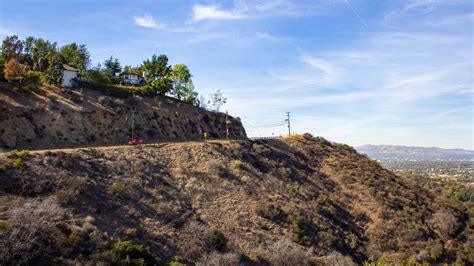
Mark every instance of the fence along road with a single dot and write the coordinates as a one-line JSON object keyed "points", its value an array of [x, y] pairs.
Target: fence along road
{"points": [[273, 137]]}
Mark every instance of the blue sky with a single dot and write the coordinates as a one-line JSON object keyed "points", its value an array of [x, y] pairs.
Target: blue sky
{"points": [[355, 71]]}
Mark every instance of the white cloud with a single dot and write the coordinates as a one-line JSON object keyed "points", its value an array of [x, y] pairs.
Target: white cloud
{"points": [[202, 12], [428, 12], [147, 21], [263, 8]]}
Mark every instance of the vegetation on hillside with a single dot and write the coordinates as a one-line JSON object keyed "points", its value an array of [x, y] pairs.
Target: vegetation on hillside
{"points": [[297, 201], [34, 61]]}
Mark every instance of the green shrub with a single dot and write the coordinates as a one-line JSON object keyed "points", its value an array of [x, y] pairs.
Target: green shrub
{"points": [[236, 149], [33, 80], [299, 229], [308, 136], [3, 225], [284, 172], [130, 253], [460, 193], [352, 240], [268, 210], [97, 76], [215, 168], [218, 240], [327, 238], [104, 88], [260, 149], [436, 251], [16, 160], [74, 239], [118, 187], [72, 189], [17, 164], [17, 154], [175, 263], [237, 165]]}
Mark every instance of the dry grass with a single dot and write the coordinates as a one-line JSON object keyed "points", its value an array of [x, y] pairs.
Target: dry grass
{"points": [[324, 197]]}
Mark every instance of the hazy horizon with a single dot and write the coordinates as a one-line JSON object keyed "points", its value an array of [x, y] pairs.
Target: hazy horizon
{"points": [[358, 72]]}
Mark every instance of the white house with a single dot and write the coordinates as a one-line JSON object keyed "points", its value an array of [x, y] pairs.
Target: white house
{"points": [[132, 78], [69, 73]]}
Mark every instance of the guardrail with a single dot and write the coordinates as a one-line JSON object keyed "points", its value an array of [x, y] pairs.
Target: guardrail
{"points": [[257, 138]]}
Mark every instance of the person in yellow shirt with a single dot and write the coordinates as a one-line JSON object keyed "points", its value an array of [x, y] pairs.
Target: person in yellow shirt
{"points": [[205, 136]]}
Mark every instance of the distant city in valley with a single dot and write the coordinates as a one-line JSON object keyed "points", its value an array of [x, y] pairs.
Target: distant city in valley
{"points": [[433, 162], [414, 153]]}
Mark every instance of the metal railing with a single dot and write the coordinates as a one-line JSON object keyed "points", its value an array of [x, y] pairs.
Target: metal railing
{"points": [[273, 137]]}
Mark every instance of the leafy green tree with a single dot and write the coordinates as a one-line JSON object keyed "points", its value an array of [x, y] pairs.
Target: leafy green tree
{"points": [[28, 44], [158, 74], [181, 76], [33, 80], [189, 94], [54, 74], [76, 56], [2, 67], [97, 74], [38, 52], [112, 67], [12, 47]]}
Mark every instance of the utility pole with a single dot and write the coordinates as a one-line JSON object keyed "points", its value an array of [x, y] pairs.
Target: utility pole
{"points": [[133, 125], [288, 120], [227, 122]]}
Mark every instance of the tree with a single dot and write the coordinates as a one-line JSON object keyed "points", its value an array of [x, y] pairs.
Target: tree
{"points": [[189, 95], [14, 71], [112, 67], [28, 45], [157, 74], [2, 67], [54, 75], [97, 74], [76, 56], [41, 48], [12, 47], [217, 99], [181, 76]]}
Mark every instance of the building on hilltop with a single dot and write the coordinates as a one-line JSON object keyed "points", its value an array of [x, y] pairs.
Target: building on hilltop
{"points": [[131, 78], [69, 73]]}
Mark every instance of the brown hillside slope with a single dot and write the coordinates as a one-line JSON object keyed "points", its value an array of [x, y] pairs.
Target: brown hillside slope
{"points": [[58, 118], [273, 201]]}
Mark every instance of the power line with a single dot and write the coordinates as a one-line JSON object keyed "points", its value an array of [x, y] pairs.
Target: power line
{"points": [[269, 125]]}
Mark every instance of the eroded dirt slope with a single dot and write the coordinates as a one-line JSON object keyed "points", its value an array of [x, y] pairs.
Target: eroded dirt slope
{"points": [[58, 118]]}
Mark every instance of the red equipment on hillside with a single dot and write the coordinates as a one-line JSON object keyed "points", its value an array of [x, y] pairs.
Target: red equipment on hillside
{"points": [[136, 142]]}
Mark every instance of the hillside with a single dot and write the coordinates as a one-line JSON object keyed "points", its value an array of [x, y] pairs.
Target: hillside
{"points": [[56, 118], [283, 202], [419, 153]]}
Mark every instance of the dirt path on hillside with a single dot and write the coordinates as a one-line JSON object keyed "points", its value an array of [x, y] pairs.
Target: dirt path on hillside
{"points": [[125, 146]]}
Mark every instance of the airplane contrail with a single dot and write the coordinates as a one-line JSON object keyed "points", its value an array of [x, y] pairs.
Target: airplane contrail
{"points": [[355, 13]]}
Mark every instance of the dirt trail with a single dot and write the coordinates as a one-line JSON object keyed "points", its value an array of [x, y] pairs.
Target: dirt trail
{"points": [[125, 146]]}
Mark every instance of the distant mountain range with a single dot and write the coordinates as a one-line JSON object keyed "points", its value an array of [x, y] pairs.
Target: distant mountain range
{"points": [[419, 153]]}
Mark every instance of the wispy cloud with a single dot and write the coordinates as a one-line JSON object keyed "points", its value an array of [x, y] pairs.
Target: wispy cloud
{"points": [[147, 21], [263, 8], [202, 12], [429, 12]]}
